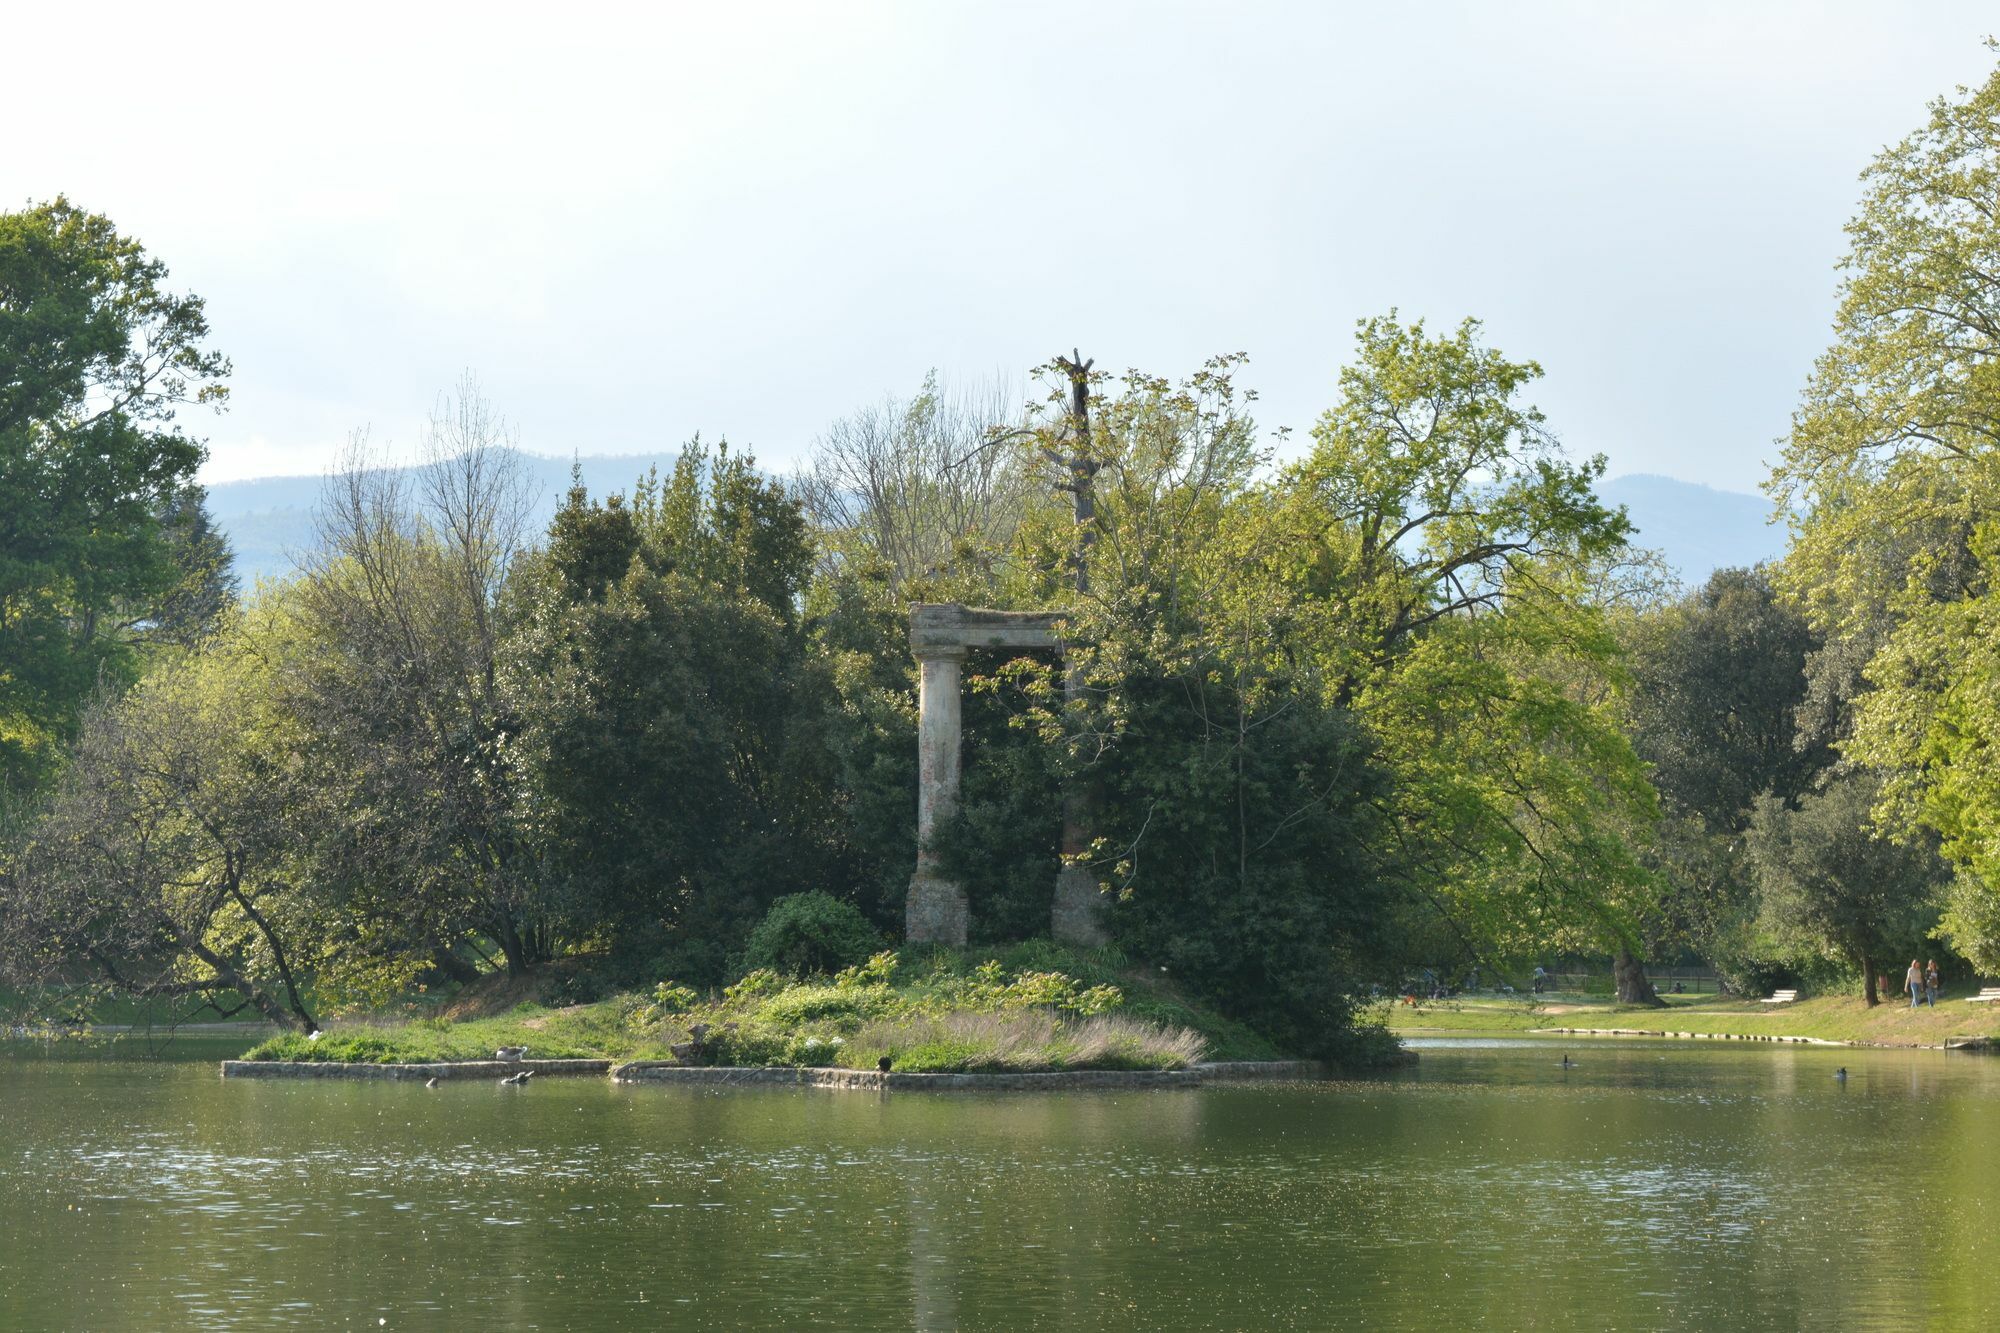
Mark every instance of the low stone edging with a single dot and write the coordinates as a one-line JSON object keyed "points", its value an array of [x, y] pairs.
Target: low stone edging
{"points": [[1248, 1071], [1688, 1036], [853, 1080], [440, 1070], [874, 1080]]}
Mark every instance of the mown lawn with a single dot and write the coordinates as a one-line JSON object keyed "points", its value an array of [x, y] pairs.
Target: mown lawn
{"points": [[1827, 1017]]}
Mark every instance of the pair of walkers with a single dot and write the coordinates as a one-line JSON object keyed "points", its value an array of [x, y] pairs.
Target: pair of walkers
{"points": [[1922, 983]]}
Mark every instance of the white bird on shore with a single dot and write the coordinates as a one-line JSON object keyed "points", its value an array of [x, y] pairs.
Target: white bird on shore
{"points": [[510, 1053]]}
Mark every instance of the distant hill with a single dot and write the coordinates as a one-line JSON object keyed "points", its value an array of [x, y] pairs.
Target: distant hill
{"points": [[1697, 528], [270, 518]]}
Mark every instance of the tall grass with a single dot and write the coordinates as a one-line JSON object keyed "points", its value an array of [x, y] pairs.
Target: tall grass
{"points": [[1018, 1041], [954, 1013]]}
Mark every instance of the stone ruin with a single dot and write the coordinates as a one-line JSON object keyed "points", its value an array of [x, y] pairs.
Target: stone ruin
{"points": [[941, 634]]}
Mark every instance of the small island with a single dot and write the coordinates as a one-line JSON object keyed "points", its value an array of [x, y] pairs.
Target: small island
{"points": [[1033, 1009]]}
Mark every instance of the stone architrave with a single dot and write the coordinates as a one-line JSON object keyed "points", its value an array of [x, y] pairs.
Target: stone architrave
{"points": [[941, 633]]}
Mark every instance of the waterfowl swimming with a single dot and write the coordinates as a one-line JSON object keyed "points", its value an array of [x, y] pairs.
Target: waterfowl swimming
{"points": [[517, 1080], [1567, 1062], [431, 1082], [1840, 1074]]}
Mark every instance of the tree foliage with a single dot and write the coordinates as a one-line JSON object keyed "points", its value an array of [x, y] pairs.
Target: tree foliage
{"points": [[1441, 553], [1891, 475], [1831, 884], [671, 714], [96, 358], [392, 666], [1720, 680], [163, 862], [1316, 722]]}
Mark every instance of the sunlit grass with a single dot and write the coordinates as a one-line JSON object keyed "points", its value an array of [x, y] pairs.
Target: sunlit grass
{"points": [[1840, 1017], [1033, 1009]]}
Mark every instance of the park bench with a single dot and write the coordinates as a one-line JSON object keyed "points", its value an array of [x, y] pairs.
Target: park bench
{"points": [[1987, 995], [1780, 997]]}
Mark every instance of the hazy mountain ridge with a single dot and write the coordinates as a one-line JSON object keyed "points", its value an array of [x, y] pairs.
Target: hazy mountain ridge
{"points": [[269, 518], [1698, 528]]}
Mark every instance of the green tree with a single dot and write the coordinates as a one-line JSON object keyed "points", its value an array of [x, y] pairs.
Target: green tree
{"points": [[96, 357], [1830, 885], [163, 864], [1890, 473], [1934, 720], [1444, 557], [1719, 682], [1718, 710], [1433, 494], [391, 665], [1231, 813], [671, 717]]}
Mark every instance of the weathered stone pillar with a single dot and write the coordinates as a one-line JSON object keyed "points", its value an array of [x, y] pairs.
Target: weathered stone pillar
{"points": [[936, 912], [1075, 915], [940, 635]]}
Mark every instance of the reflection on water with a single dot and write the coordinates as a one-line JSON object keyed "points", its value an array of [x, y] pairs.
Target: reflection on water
{"points": [[1651, 1185]]}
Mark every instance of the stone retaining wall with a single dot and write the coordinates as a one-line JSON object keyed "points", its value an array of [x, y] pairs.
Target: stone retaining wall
{"points": [[872, 1080], [1238, 1071], [856, 1080], [493, 1069]]}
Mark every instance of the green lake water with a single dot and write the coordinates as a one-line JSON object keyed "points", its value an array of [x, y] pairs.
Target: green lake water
{"points": [[1661, 1185]]}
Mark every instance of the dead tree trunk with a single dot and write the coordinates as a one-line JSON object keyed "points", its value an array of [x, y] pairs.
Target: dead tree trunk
{"points": [[1074, 914]]}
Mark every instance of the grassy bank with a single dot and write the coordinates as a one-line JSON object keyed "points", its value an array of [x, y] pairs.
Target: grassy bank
{"points": [[1035, 1007], [1827, 1017]]}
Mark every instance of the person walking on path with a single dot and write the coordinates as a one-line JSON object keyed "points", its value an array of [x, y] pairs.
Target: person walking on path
{"points": [[1913, 982], [1931, 983]]}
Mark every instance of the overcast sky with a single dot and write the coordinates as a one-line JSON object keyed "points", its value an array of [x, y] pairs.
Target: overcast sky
{"points": [[749, 219]]}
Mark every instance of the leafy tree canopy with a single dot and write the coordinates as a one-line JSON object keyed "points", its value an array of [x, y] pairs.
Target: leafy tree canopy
{"points": [[1720, 679], [96, 356], [1892, 474]]}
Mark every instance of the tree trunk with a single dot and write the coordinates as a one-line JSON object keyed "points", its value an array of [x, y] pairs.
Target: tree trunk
{"points": [[262, 1000], [1630, 975], [1868, 991], [451, 967], [515, 950]]}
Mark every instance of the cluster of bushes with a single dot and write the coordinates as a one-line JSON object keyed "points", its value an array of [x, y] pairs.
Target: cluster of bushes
{"points": [[942, 1017]]}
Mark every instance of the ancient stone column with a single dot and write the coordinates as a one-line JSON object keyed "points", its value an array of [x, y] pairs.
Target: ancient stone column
{"points": [[1076, 915], [936, 911], [940, 635]]}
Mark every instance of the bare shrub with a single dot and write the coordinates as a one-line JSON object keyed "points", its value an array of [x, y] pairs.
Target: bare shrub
{"points": [[918, 484]]}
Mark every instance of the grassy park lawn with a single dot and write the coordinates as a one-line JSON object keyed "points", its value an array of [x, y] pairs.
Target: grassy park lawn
{"points": [[1034, 1007], [1827, 1017]]}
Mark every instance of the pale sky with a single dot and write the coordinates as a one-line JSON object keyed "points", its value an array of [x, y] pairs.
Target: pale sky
{"points": [[749, 219]]}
